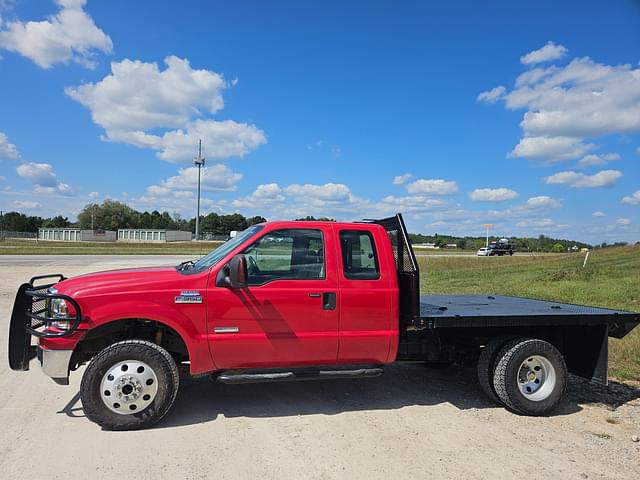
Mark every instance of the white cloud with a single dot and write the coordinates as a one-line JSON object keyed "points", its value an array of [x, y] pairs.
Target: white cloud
{"points": [[2, 179], [7, 150], [93, 195], [432, 187], [542, 201], [43, 178], [410, 204], [550, 51], [70, 35], [566, 105], [329, 192], [536, 223], [598, 213], [26, 204], [138, 98], [402, 179], [492, 194], [213, 178], [550, 149], [493, 95], [604, 178], [633, 199], [593, 160], [623, 221], [265, 196]]}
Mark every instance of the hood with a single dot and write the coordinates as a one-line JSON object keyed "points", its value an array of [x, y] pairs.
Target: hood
{"points": [[123, 280]]}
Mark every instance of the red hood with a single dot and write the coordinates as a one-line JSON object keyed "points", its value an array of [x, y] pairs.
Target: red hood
{"points": [[121, 281]]}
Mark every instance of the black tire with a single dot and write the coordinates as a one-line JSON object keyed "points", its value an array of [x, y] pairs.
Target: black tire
{"points": [[164, 368], [487, 364], [505, 378]]}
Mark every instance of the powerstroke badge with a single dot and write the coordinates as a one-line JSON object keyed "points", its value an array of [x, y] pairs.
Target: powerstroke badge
{"points": [[189, 296]]}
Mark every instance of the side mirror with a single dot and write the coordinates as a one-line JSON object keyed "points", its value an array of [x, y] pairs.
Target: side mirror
{"points": [[234, 274]]}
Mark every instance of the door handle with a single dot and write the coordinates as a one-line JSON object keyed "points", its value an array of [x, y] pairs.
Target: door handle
{"points": [[314, 295], [329, 301]]}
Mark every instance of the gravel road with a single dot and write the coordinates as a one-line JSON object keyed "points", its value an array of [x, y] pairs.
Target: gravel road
{"points": [[410, 423]]}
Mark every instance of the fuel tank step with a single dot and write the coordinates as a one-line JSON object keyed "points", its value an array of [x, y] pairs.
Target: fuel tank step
{"points": [[297, 375]]}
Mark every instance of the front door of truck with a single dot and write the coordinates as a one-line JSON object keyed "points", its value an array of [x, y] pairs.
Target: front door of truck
{"points": [[288, 314]]}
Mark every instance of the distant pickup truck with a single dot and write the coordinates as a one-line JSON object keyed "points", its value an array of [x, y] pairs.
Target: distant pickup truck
{"points": [[295, 301]]}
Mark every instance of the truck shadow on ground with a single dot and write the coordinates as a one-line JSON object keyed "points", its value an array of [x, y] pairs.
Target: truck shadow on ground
{"points": [[203, 400]]}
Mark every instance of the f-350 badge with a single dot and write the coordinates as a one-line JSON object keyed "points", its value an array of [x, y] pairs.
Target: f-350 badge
{"points": [[189, 296]]}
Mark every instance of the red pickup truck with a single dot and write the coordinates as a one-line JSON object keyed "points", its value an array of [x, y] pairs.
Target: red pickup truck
{"points": [[295, 301]]}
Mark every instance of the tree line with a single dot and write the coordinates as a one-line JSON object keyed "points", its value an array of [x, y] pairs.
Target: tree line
{"points": [[112, 215]]}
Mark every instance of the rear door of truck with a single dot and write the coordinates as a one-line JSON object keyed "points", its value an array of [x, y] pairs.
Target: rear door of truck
{"points": [[368, 298]]}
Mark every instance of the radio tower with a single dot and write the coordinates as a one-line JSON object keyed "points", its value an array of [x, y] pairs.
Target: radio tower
{"points": [[199, 162]]}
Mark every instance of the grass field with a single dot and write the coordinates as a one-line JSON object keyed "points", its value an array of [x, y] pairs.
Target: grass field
{"points": [[31, 247], [611, 279]]}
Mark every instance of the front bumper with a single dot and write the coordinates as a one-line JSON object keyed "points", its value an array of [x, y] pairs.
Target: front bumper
{"points": [[55, 364]]}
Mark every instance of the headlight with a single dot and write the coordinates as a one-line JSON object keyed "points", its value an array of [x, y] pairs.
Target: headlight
{"points": [[59, 309]]}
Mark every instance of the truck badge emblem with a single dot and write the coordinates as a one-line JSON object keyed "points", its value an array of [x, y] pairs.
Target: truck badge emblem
{"points": [[189, 296]]}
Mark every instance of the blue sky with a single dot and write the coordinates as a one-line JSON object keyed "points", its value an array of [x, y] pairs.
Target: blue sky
{"points": [[526, 116]]}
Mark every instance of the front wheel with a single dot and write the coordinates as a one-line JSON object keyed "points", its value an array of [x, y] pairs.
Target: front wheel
{"points": [[129, 385], [530, 376]]}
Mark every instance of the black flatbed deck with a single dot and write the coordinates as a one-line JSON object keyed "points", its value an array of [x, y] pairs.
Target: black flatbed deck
{"points": [[450, 311]]}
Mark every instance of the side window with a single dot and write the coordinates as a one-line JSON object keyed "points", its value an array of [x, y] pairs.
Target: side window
{"points": [[359, 258], [292, 254]]}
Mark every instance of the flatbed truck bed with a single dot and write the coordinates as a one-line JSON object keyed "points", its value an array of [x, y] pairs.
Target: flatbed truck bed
{"points": [[462, 311]]}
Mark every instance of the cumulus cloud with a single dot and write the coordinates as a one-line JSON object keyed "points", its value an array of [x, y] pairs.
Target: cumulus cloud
{"points": [[633, 199], [68, 36], [604, 178], [43, 178], [329, 192], [542, 201], [26, 204], [594, 160], [214, 178], [550, 51], [265, 196], [493, 95], [7, 150], [623, 221], [599, 214], [402, 179], [569, 104], [492, 194], [432, 187], [142, 105], [93, 195], [550, 149]]}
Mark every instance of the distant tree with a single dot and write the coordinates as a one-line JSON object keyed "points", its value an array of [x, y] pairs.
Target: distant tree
{"points": [[56, 222], [311, 218], [255, 220], [19, 222], [557, 248]]}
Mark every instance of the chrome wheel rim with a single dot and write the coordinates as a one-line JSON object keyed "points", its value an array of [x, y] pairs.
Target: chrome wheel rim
{"points": [[536, 378], [129, 387]]}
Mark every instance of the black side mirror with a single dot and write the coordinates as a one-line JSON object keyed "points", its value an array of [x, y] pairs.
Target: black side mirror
{"points": [[234, 274]]}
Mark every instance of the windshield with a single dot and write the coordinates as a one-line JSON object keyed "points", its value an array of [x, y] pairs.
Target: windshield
{"points": [[223, 250]]}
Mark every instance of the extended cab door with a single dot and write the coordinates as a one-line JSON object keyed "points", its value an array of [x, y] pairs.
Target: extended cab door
{"points": [[288, 315], [368, 295]]}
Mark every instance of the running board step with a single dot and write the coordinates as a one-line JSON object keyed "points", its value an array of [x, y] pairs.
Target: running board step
{"points": [[293, 376]]}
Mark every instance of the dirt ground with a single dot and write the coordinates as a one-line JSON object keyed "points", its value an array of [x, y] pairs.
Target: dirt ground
{"points": [[410, 423]]}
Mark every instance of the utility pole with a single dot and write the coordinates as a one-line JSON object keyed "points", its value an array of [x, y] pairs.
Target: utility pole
{"points": [[487, 226], [199, 162]]}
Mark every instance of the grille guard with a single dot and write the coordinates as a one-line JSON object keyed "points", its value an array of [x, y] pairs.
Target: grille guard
{"points": [[31, 317]]}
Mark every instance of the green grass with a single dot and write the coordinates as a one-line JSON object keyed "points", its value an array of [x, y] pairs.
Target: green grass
{"points": [[31, 247], [610, 279]]}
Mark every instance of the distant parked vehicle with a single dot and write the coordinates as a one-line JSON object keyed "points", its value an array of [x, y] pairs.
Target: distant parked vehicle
{"points": [[483, 252], [501, 247]]}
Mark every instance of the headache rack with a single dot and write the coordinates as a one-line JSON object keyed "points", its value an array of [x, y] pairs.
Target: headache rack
{"points": [[408, 271], [32, 316]]}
